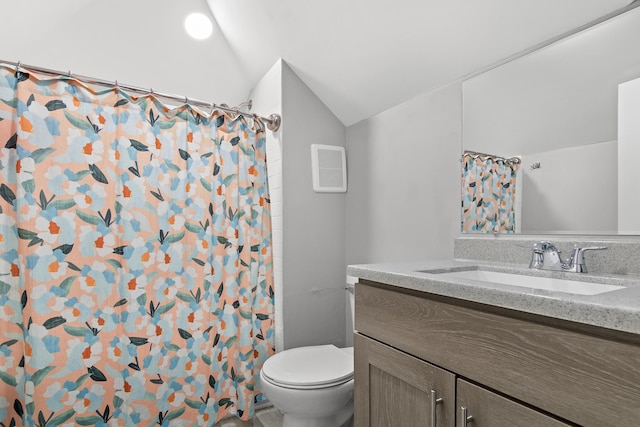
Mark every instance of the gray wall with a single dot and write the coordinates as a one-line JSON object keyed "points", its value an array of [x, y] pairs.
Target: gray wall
{"points": [[580, 179], [314, 226], [560, 96], [308, 227], [403, 202]]}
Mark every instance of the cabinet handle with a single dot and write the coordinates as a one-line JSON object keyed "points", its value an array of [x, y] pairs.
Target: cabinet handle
{"points": [[464, 418], [434, 402]]}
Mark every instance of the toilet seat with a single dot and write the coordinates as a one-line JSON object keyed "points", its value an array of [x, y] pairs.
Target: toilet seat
{"points": [[309, 367]]}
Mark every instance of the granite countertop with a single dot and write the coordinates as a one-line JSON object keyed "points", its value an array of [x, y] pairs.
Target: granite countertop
{"points": [[617, 309]]}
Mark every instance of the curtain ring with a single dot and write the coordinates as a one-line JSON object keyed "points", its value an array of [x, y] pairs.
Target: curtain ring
{"points": [[232, 113]]}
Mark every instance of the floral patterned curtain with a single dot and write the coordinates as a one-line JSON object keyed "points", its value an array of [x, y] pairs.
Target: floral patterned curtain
{"points": [[488, 194], [135, 258]]}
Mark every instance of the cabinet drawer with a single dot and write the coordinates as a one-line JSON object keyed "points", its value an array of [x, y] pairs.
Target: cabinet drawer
{"points": [[394, 389], [488, 409], [582, 378]]}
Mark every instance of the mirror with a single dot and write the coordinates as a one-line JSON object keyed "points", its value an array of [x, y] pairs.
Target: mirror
{"points": [[571, 112]]}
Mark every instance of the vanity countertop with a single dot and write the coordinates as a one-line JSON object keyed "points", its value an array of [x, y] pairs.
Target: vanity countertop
{"points": [[617, 310]]}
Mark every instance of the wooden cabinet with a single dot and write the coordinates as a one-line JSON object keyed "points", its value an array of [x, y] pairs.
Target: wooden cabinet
{"points": [[509, 368], [395, 389], [481, 407]]}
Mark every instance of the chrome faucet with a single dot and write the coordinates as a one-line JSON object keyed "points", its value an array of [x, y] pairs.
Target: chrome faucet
{"points": [[546, 256]]}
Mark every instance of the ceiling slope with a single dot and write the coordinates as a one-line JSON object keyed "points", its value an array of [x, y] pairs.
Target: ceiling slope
{"points": [[362, 57]]}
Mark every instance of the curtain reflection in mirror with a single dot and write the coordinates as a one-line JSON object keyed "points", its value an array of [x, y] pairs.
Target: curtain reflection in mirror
{"points": [[488, 193]]}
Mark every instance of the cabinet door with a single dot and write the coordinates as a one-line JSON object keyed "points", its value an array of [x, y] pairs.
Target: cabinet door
{"points": [[488, 409], [393, 388]]}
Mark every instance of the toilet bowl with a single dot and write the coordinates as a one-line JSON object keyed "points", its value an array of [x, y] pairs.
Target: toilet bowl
{"points": [[311, 386]]}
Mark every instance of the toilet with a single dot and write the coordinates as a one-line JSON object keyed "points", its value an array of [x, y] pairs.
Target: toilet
{"points": [[311, 386]]}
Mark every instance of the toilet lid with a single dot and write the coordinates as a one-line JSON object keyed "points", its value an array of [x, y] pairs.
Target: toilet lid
{"points": [[323, 365]]}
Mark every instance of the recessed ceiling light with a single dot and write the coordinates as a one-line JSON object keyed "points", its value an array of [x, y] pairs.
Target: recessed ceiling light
{"points": [[198, 26]]}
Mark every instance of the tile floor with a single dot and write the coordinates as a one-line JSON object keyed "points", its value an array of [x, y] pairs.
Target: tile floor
{"points": [[267, 417]]}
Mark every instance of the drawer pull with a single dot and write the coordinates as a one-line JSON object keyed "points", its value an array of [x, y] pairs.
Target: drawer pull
{"points": [[464, 418], [434, 402]]}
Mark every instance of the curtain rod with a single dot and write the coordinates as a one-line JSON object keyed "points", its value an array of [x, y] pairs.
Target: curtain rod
{"points": [[273, 121], [484, 156]]}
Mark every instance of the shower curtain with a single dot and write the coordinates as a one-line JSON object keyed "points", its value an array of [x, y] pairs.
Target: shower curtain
{"points": [[488, 194], [135, 258]]}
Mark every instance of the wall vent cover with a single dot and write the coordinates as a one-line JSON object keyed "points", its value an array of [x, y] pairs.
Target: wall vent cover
{"points": [[329, 168]]}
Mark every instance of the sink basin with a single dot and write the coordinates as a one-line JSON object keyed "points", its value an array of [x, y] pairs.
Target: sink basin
{"points": [[535, 282]]}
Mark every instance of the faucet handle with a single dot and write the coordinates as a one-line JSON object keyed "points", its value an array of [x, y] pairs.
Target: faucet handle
{"points": [[592, 248], [576, 260], [578, 251]]}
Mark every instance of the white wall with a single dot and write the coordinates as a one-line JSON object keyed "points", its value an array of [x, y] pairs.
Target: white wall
{"points": [[403, 202], [628, 156], [573, 191]]}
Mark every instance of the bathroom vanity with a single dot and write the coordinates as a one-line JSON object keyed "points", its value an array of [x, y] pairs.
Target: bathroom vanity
{"points": [[438, 350]]}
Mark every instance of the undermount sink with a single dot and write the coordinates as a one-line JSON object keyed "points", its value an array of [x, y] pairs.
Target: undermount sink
{"points": [[535, 282]]}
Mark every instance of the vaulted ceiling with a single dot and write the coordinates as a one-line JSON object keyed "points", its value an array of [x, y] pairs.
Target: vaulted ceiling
{"points": [[364, 56], [360, 57]]}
